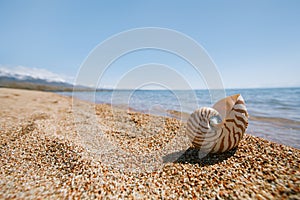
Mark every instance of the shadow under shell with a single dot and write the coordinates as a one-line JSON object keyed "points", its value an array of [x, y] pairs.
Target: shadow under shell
{"points": [[191, 155]]}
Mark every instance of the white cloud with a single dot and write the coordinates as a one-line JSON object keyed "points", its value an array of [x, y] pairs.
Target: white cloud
{"points": [[22, 72]]}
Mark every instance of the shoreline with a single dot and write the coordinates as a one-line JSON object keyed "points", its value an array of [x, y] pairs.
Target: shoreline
{"points": [[42, 146], [279, 129]]}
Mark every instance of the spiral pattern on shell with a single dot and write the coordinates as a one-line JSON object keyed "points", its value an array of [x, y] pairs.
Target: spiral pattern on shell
{"points": [[221, 128]]}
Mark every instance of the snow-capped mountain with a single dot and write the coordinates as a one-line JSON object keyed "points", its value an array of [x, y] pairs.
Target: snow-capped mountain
{"points": [[32, 78], [23, 73]]}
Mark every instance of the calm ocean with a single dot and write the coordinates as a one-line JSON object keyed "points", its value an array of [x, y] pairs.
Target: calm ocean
{"points": [[274, 113]]}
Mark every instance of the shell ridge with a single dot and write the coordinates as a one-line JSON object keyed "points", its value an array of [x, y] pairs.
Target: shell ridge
{"points": [[198, 127], [235, 123], [235, 141], [239, 134], [197, 119], [221, 145], [241, 119]]}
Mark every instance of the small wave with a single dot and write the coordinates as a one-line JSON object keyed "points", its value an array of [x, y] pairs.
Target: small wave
{"points": [[278, 121]]}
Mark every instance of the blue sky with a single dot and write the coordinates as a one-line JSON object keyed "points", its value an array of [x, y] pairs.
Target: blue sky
{"points": [[252, 43]]}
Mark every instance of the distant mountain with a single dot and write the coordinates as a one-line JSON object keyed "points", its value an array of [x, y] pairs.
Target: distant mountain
{"points": [[34, 79]]}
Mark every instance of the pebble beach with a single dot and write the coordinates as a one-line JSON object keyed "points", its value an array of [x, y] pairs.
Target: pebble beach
{"points": [[50, 148]]}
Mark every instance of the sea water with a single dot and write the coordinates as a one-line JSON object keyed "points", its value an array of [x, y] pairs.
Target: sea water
{"points": [[274, 113]]}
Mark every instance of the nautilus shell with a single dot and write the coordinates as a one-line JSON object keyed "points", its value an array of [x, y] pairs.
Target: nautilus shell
{"points": [[221, 128]]}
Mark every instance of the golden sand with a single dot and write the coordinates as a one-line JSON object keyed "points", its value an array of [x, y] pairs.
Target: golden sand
{"points": [[49, 149]]}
